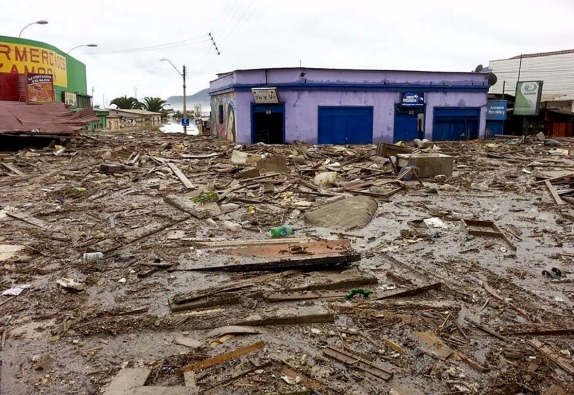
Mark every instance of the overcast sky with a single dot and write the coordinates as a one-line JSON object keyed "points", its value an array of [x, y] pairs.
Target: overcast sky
{"points": [[439, 35]]}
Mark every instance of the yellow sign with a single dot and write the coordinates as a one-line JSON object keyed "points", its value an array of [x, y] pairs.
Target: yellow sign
{"points": [[22, 59]]}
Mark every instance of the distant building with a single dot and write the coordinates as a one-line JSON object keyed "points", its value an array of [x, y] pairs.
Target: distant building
{"points": [[124, 118], [556, 71], [342, 106]]}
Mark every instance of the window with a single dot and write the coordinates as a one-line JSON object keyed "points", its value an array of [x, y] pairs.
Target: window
{"points": [[220, 114]]}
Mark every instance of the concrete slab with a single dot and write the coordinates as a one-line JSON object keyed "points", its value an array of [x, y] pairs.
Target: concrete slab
{"points": [[126, 380]]}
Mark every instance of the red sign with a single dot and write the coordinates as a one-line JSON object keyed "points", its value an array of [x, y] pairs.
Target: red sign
{"points": [[40, 88]]}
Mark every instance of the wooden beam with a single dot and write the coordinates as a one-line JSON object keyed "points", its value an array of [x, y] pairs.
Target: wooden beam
{"points": [[553, 192], [184, 180], [330, 262], [223, 357]]}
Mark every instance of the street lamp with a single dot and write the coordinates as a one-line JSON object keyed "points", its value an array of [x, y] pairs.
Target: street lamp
{"points": [[83, 45], [184, 98], [41, 22]]}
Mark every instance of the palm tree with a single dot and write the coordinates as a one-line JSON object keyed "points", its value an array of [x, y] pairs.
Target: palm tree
{"points": [[154, 104], [127, 103]]}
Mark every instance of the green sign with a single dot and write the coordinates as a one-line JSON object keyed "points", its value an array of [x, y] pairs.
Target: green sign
{"points": [[528, 94]]}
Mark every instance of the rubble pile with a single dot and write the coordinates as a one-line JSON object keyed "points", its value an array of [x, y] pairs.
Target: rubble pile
{"points": [[141, 262]]}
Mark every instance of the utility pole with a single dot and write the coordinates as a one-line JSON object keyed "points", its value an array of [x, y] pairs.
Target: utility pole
{"points": [[184, 102]]}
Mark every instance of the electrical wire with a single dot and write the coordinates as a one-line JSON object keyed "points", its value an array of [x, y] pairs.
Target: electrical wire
{"points": [[175, 44]]}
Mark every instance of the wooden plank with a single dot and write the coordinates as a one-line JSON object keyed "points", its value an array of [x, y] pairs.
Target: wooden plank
{"points": [[126, 380], [329, 262], [184, 180], [547, 351], [223, 357], [553, 192], [30, 220], [206, 156], [10, 167], [541, 332], [411, 292], [233, 286], [302, 295], [289, 316], [437, 346], [323, 247], [358, 362], [484, 329], [238, 243], [234, 329]]}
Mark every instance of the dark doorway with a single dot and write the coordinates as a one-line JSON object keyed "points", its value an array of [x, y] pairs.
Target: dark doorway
{"points": [[268, 124]]}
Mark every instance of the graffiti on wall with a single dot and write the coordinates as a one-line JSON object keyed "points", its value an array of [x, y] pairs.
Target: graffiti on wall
{"points": [[22, 59], [223, 108]]}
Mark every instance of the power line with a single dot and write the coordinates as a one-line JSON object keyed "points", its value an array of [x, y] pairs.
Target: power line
{"points": [[194, 40]]}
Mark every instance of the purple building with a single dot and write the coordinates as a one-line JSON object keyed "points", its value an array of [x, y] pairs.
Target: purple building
{"points": [[339, 106]]}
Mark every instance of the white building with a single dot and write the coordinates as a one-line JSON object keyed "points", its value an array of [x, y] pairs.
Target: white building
{"points": [[556, 69]]}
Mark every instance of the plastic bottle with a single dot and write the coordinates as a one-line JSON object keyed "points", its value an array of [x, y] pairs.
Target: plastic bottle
{"points": [[282, 231]]}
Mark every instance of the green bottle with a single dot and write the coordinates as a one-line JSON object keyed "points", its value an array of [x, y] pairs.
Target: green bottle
{"points": [[282, 231]]}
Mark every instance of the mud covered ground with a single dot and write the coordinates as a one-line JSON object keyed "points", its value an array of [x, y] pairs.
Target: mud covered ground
{"points": [[488, 321]]}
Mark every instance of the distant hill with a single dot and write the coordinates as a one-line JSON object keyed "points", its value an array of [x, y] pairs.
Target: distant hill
{"points": [[200, 97]]}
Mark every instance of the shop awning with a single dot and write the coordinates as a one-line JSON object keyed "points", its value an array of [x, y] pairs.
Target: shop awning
{"points": [[52, 119]]}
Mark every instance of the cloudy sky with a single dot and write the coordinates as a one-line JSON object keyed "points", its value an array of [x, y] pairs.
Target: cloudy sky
{"points": [[133, 36]]}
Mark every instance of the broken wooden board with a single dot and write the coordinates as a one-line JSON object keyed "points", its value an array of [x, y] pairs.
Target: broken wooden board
{"points": [[235, 330], [287, 249], [411, 292], [358, 362], [186, 205], [273, 164], [130, 381], [254, 242], [494, 231], [223, 357], [224, 299], [8, 251], [332, 280], [547, 351], [302, 295], [232, 286], [538, 331], [184, 180], [28, 219], [206, 156], [289, 316], [12, 168], [553, 192], [330, 262], [434, 345]]}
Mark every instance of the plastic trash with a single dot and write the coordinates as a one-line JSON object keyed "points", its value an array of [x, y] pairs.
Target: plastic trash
{"points": [[232, 226], [281, 231], [92, 256]]}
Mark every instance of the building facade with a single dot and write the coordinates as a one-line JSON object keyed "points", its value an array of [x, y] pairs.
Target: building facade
{"points": [[340, 106], [20, 58], [556, 69]]}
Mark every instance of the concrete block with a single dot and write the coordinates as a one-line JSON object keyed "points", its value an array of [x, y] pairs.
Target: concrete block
{"points": [[429, 165]]}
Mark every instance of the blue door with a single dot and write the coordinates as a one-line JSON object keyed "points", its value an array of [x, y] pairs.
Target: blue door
{"points": [[345, 125], [406, 127], [455, 123]]}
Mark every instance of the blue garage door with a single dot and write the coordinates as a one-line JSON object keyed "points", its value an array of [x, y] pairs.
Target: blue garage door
{"points": [[455, 123], [345, 125], [406, 127]]}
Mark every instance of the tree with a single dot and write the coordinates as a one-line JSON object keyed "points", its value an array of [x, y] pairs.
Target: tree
{"points": [[154, 104], [127, 103]]}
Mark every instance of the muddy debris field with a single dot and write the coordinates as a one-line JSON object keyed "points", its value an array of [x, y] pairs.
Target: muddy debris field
{"points": [[143, 263]]}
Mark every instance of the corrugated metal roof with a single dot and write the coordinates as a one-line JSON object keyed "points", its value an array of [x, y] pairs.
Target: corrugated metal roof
{"points": [[42, 119], [539, 54]]}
